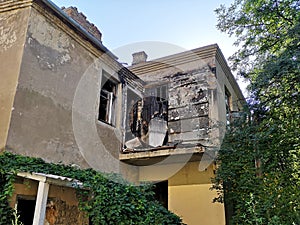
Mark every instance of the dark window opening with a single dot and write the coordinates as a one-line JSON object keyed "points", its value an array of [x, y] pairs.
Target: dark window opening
{"points": [[146, 119], [155, 105], [162, 101], [228, 106], [107, 105], [133, 124], [25, 208], [161, 193]]}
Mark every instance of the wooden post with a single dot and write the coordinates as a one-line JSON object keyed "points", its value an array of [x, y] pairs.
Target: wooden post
{"points": [[41, 203]]}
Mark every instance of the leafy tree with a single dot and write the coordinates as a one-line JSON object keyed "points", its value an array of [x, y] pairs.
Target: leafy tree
{"points": [[259, 160]]}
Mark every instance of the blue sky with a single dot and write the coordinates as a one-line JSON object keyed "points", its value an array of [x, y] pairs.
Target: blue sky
{"points": [[170, 25]]}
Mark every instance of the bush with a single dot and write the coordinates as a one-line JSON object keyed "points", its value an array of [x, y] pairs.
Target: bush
{"points": [[111, 200]]}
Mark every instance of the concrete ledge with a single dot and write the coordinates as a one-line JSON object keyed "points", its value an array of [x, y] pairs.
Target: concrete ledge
{"points": [[8, 5], [174, 155]]}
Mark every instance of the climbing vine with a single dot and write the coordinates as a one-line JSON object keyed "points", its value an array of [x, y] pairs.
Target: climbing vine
{"points": [[109, 202]]}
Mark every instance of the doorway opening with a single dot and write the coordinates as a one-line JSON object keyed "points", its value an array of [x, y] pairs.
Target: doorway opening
{"points": [[25, 208], [161, 193]]}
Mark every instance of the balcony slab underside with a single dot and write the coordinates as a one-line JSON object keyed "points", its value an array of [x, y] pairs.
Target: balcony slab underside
{"points": [[163, 156]]}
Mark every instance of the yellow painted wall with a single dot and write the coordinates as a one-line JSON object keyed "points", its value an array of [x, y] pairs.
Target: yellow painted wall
{"points": [[189, 194], [30, 188], [193, 203]]}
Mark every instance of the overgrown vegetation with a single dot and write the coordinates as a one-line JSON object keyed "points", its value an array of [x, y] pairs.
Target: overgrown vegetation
{"points": [[16, 218], [111, 202], [259, 160]]}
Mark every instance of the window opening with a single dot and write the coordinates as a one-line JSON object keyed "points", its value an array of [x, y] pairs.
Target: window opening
{"points": [[228, 106], [161, 193], [147, 118], [155, 113], [133, 123], [108, 97]]}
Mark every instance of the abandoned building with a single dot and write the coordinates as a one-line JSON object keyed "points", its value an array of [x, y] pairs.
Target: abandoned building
{"points": [[65, 98]]}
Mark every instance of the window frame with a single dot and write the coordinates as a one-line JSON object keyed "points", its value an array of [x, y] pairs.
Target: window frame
{"points": [[112, 98], [228, 106], [135, 117]]}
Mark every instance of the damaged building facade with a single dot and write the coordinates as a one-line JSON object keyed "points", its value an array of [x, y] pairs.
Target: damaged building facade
{"points": [[64, 97], [189, 99]]}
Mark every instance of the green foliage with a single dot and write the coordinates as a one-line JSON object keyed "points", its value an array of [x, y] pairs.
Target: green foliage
{"points": [[5, 192], [268, 33], [109, 199], [261, 28], [16, 216], [265, 194]]}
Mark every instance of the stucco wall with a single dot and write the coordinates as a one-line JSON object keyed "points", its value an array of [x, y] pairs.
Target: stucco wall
{"points": [[54, 63], [191, 198], [193, 203], [13, 27], [223, 80], [189, 194]]}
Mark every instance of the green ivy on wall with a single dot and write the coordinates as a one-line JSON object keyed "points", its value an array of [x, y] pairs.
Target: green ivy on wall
{"points": [[111, 202]]}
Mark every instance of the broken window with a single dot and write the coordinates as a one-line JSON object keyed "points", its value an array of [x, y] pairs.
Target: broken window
{"points": [[133, 123], [162, 99], [228, 106], [156, 103], [108, 97], [146, 124], [155, 116]]}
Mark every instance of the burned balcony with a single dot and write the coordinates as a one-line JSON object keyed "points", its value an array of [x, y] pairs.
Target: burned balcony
{"points": [[167, 120], [183, 109], [147, 121]]}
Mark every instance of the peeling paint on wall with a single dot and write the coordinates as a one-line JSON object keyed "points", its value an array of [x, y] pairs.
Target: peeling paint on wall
{"points": [[7, 33], [46, 34], [48, 58], [187, 115], [52, 47]]}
